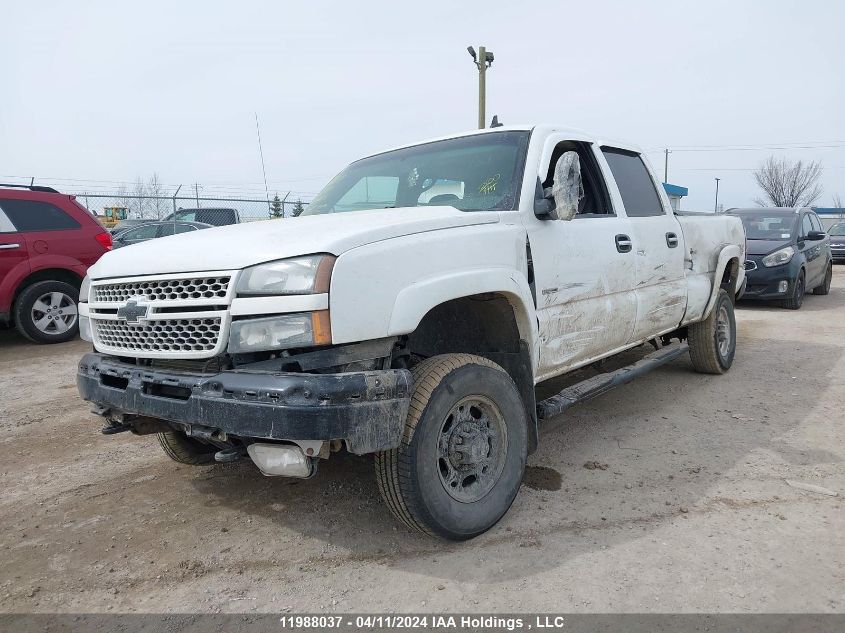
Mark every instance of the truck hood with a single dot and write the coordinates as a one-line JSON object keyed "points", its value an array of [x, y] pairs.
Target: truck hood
{"points": [[241, 245]]}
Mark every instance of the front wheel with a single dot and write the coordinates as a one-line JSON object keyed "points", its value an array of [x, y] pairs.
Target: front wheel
{"points": [[186, 450], [824, 288], [463, 451], [796, 299], [712, 342]]}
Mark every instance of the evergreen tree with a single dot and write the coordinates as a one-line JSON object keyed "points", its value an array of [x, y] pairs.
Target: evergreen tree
{"points": [[277, 210], [297, 208]]}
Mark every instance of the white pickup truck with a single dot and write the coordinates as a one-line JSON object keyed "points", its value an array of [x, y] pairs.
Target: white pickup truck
{"points": [[411, 312]]}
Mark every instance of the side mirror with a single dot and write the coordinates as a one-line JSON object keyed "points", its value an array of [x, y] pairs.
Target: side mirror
{"points": [[566, 190], [815, 236]]}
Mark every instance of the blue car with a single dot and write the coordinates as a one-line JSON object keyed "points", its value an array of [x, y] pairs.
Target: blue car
{"points": [[789, 254]]}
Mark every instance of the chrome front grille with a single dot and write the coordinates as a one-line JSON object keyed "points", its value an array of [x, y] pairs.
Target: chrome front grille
{"points": [[164, 289], [165, 335], [169, 316]]}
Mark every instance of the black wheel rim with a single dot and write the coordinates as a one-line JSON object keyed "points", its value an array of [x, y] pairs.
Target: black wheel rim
{"points": [[471, 449]]}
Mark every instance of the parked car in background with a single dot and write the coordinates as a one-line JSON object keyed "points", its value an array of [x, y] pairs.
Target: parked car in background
{"points": [[837, 241], [215, 216], [47, 242], [126, 224], [153, 230], [788, 254]]}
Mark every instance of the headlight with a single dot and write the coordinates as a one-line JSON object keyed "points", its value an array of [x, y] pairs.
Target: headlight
{"points": [[779, 257], [297, 276], [85, 289], [280, 332]]}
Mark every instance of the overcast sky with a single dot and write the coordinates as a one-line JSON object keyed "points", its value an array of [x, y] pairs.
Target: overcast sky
{"points": [[103, 92]]}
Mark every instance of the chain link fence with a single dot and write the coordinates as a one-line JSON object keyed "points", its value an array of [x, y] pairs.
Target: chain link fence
{"points": [[136, 207]]}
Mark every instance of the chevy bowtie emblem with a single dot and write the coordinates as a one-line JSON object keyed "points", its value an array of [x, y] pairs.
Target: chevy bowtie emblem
{"points": [[132, 312]]}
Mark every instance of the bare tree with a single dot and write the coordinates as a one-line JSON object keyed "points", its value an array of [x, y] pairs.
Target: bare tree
{"points": [[788, 184], [837, 201], [140, 191], [156, 191]]}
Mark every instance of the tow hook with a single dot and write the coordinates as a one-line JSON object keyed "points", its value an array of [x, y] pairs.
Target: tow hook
{"points": [[232, 454]]}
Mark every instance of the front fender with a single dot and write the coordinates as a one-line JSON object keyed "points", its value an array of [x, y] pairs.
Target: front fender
{"points": [[415, 301]]}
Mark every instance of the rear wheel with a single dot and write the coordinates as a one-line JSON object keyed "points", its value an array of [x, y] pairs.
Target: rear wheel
{"points": [[824, 288], [46, 312], [186, 450], [463, 451], [796, 299], [712, 342]]}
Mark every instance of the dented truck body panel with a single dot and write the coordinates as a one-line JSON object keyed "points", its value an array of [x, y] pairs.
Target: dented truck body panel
{"points": [[569, 293]]}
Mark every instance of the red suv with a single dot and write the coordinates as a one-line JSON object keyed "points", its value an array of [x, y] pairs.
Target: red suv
{"points": [[47, 242]]}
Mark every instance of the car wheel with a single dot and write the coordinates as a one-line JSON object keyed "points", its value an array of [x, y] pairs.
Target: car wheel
{"points": [[712, 342], [46, 312], [462, 456], [186, 450], [824, 288], [794, 301]]}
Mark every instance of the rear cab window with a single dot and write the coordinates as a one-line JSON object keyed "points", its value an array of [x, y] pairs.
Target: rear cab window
{"points": [[33, 215], [636, 187]]}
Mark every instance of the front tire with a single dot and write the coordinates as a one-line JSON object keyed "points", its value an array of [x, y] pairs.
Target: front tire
{"points": [[46, 312], [796, 299], [463, 451], [712, 342], [824, 288], [186, 450]]}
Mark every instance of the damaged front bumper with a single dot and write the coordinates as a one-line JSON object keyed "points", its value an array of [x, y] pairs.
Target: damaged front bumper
{"points": [[366, 409]]}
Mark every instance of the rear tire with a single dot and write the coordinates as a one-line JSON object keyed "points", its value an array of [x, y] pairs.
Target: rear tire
{"points": [[186, 450], [47, 312], [463, 451], [712, 342], [794, 301], [824, 288]]}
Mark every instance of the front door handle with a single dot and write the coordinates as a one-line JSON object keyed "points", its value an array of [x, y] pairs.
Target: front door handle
{"points": [[8, 247], [623, 243], [671, 240]]}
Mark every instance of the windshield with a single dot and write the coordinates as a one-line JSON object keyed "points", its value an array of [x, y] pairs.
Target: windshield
{"points": [[837, 229], [769, 226], [472, 173]]}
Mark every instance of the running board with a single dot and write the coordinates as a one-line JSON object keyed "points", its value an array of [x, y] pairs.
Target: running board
{"points": [[597, 385]]}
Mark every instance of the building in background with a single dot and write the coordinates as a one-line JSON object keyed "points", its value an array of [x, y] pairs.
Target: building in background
{"points": [[830, 215], [675, 193]]}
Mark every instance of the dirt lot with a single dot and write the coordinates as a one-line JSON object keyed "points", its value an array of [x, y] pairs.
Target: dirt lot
{"points": [[692, 513]]}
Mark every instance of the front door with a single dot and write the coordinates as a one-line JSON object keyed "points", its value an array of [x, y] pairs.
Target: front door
{"points": [[584, 274], [658, 244], [812, 250]]}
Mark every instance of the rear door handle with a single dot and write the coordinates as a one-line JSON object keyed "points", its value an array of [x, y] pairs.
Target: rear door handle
{"points": [[623, 243], [8, 247], [671, 240]]}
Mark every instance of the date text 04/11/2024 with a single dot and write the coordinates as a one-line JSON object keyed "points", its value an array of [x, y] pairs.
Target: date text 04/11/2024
{"points": [[420, 621]]}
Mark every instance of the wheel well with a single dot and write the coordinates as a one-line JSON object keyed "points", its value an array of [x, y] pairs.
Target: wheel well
{"points": [[730, 274], [486, 325], [48, 274]]}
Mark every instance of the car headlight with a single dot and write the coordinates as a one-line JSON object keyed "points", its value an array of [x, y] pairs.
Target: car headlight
{"points": [[779, 257], [285, 331], [296, 276], [85, 289]]}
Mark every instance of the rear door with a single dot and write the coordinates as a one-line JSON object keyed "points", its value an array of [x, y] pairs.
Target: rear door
{"points": [[658, 244], [13, 258], [48, 230]]}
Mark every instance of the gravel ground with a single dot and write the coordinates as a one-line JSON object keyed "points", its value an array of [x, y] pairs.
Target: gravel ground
{"points": [[688, 509]]}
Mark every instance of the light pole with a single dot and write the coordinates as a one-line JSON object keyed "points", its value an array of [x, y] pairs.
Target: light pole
{"points": [[716, 206], [483, 60]]}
